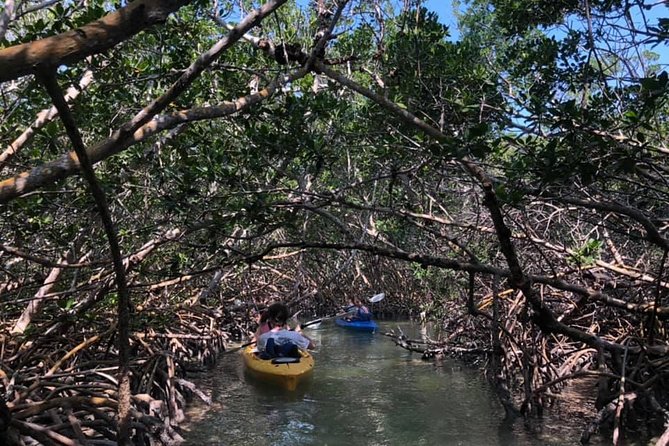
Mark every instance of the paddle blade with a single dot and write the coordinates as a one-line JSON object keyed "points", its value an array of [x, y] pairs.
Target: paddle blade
{"points": [[377, 298], [312, 324]]}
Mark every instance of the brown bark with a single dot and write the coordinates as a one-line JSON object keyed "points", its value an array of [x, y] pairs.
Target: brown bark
{"points": [[36, 302], [95, 37], [43, 118], [142, 125]]}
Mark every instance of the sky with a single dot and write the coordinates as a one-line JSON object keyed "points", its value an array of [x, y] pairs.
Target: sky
{"points": [[659, 9], [444, 9]]}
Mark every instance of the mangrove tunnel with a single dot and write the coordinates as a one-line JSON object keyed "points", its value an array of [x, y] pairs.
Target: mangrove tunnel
{"points": [[170, 168]]}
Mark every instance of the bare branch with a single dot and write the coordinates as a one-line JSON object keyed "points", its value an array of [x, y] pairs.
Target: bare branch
{"points": [[43, 118]]}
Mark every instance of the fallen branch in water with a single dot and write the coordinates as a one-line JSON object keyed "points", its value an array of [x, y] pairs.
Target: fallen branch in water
{"points": [[431, 349]]}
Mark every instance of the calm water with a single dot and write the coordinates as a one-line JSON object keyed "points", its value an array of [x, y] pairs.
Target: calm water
{"points": [[364, 391]]}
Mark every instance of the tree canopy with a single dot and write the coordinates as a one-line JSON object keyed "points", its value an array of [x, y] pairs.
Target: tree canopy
{"points": [[510, 174]]}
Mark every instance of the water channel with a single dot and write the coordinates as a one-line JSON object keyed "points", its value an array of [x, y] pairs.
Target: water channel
{"points": [[364, 391]]}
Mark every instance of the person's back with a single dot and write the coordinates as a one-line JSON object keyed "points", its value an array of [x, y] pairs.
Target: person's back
{"points": [[280, 339]]}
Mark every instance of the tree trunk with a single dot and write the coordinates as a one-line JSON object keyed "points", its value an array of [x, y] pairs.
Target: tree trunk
{"points": [[77, 44]]}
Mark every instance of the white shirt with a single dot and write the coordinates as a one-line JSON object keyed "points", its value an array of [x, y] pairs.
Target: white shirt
{"points": [[281, 337]]}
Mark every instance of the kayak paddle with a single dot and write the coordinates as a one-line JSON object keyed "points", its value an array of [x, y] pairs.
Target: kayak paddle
{"points": [[317, 322], [377, 298], [236, 349]]}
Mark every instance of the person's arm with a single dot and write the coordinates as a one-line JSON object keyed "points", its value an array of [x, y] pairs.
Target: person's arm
{"points": [[310, 345], [261, 330]]}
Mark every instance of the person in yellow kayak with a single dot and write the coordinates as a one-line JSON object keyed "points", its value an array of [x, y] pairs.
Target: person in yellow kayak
{"points": [[263, 319], [263, 324], [280, 340]]}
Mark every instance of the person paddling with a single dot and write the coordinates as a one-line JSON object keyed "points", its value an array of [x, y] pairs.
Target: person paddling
{"points": [[357, 311], [263, 324], [280, 340]]}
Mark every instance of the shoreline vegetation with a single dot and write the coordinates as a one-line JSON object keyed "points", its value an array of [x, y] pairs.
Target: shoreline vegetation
{"points": [[66, 390], [171, 166]]}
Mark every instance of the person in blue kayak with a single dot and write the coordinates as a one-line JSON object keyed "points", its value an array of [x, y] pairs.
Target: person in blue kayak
{"points": [[357, 311], [280, 340]]}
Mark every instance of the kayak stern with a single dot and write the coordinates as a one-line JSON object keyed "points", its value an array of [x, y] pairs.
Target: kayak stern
{"points": [[287, 375]]}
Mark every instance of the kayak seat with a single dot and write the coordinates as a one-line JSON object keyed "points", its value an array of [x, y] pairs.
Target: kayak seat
{"points": [[285, 360]]}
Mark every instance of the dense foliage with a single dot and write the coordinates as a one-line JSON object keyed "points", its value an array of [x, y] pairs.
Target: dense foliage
{"points": [[508, 175]]}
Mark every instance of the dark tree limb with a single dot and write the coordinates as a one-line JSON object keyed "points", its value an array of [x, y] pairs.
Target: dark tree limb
{"points": [[58, 98], [447, 263]]}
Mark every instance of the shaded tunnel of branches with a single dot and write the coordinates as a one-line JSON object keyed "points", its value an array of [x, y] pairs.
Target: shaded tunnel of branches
{"points": [[262, 169]]}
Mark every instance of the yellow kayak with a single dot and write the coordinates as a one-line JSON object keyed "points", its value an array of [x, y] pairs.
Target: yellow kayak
{"points": [[288, 375]]}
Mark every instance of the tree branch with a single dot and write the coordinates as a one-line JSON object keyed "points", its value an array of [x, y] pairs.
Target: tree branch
{"points": [[142, 125], [95, 37], [51, 84], [43, 118]]}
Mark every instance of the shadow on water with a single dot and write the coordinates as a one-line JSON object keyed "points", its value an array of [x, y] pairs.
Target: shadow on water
{"points": [[364, 391]]}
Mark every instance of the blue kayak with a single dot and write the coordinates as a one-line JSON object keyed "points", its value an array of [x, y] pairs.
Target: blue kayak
{"points": [[357, 325]]}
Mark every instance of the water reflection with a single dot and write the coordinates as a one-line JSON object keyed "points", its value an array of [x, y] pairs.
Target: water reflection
{"points": [[364, 391]]}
